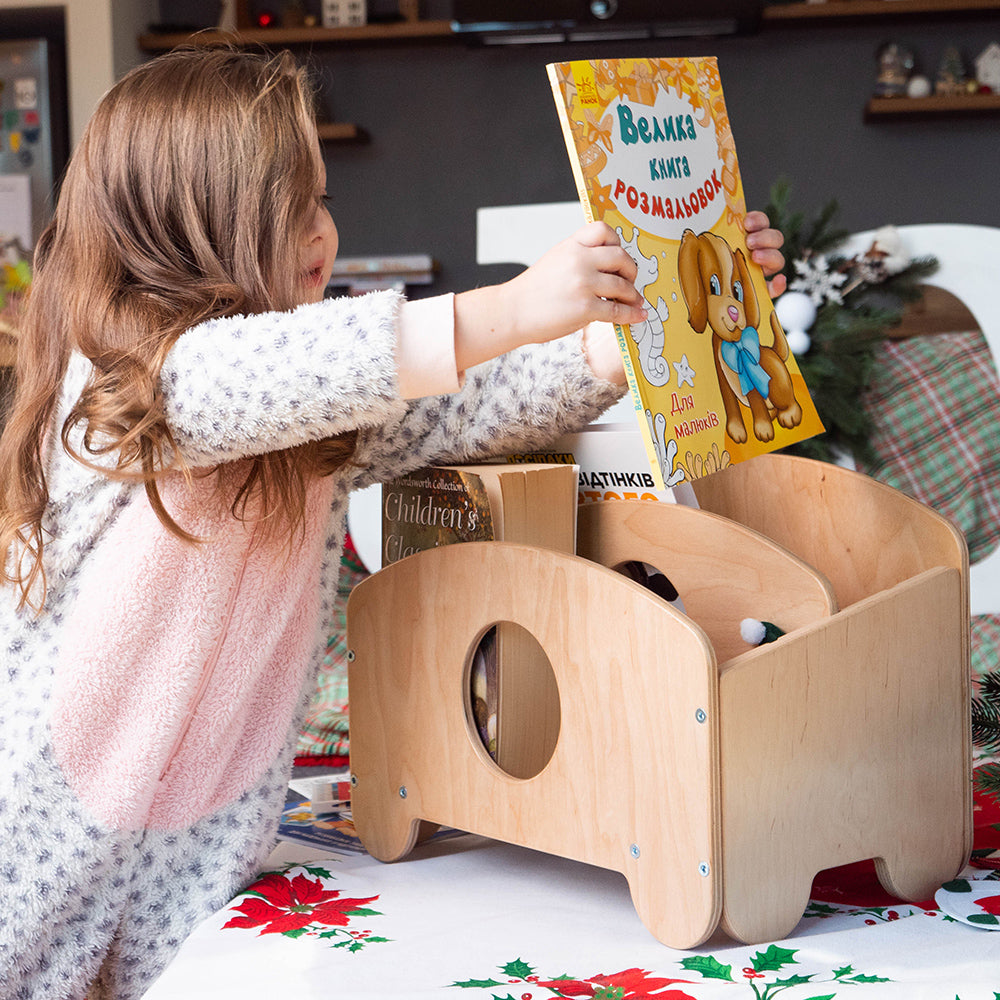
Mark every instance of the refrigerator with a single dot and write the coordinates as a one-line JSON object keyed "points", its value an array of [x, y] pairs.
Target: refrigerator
{"points": [[32, 136]]}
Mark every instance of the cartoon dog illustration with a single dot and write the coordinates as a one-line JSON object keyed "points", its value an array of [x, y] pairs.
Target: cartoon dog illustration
{"points": [[717, 289]]}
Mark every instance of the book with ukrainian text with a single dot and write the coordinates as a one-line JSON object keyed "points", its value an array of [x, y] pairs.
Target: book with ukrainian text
{"points": [[612, 461], [712, 379]]}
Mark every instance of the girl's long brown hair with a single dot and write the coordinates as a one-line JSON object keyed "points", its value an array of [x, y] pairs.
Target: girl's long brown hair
{"points": [[185, 200]]}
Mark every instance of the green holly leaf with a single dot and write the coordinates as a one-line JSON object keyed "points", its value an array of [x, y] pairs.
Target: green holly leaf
{"points": [[296, 933], [826, 996], [868, 979], [478, 984], [822, 908], [709, 967], [517, 968], [795, 980], [609, 993], [773, 959], [318, 871], [356, 946], [845, 971], [362, 911], [380, 940], [507, 997], [983, 918]]}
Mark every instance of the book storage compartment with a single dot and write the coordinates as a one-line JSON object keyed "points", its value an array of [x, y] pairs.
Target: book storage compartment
{"points": [[718, 778]]}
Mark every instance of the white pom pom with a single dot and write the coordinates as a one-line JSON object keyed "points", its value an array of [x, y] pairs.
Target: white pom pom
{"points": [[799, 341], [797, 313], [752, 631]]}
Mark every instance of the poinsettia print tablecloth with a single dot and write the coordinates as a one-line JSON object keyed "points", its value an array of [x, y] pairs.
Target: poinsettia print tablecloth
{"points": [[465, 918]]}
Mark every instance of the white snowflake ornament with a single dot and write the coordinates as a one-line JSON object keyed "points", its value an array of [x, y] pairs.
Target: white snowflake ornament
{"points": [[817, 280]]}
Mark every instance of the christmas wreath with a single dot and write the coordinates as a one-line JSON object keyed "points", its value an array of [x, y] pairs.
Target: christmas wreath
{"points": [[854, 300]]}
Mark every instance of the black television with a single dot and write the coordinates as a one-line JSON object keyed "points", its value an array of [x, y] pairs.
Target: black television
{"points": [[525, 21]]}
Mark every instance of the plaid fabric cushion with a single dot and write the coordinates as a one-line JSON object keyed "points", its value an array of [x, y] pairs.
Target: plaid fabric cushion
{"points": [[936, 406], [935, 403], [985, 645]]}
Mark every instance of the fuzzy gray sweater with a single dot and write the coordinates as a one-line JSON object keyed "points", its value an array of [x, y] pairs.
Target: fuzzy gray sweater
{"points": [[149, 715]]}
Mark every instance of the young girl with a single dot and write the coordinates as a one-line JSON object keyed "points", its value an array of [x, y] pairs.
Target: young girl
{"points": [[191, 415]]}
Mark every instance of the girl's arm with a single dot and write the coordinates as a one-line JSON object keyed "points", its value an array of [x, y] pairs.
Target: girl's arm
{"points": [[246, 385], [518, 402]]}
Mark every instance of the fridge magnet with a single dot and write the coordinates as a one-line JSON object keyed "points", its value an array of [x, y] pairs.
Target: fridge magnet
{"points": [[26, 93]]}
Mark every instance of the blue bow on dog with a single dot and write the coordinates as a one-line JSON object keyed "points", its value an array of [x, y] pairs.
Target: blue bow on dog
{"points": [[743, 357]]}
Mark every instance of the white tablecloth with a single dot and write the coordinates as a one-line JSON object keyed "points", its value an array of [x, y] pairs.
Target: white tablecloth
{"points": [[471, 919]]}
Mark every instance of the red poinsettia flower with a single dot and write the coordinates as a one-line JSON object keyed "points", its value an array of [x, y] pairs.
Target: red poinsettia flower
{"points": [[283, 904], [635, 984], [991, 904]]}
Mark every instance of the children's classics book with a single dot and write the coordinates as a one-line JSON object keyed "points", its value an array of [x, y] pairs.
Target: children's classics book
{"points": [[712, 379], [513, 695]]}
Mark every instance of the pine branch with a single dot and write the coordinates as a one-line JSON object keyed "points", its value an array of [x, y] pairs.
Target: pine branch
{"points": [[986, 724], [988, 780], [989, 685]]}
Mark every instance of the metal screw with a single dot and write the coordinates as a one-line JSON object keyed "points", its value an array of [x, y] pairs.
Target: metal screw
{"points": [[703, 869], [700, 715], [350, 656], [354, 781], [402, 791], [634, 850]]}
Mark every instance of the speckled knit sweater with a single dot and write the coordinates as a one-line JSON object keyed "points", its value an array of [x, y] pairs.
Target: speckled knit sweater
{"points": [[148, 717]]}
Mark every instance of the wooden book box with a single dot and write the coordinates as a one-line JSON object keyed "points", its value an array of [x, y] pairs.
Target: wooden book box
{"points": [[718, 777]]}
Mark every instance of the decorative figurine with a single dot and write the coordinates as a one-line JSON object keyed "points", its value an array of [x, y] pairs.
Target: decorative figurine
{"points": [[895, 65], [919, 86], [951, 76], [988, 68]]}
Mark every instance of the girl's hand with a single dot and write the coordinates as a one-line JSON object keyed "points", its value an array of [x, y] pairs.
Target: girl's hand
{"points": [[765, 245], [587, 278]]}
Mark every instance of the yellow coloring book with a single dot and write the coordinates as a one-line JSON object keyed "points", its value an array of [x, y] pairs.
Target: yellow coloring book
{"points": [[712, 379]]}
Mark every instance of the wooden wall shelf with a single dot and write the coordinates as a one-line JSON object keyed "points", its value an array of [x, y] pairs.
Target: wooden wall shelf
{"points": [[340, 132], [833, 10], [879, 108], [396, 31]]}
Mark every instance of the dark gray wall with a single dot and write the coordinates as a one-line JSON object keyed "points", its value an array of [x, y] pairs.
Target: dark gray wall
{"points": [[454, 128]]}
